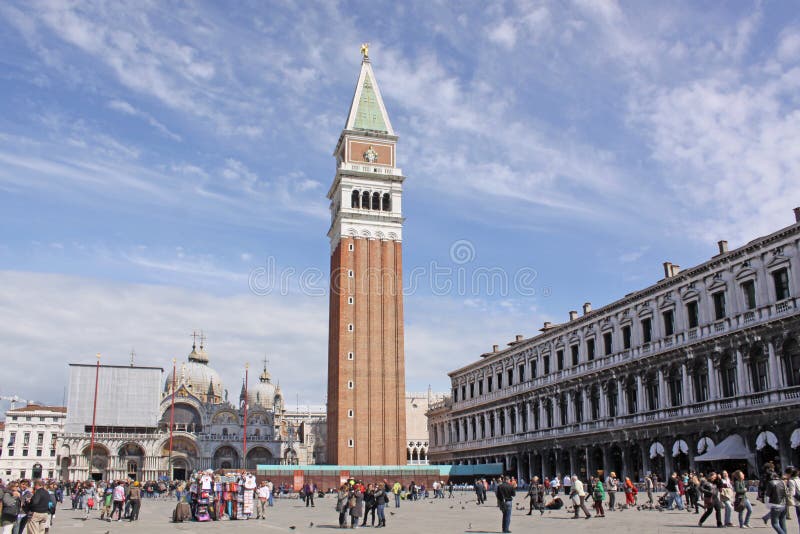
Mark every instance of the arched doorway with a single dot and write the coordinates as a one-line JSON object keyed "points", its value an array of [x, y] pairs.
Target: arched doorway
{"points": [[614, 460], [657, 464], [184, 456], [226, 457], [36, 472], [65, 463], [680, 456], [187, 418], [290, 457], [98, 467], [131, 457], [258, 456], [767, 450]]}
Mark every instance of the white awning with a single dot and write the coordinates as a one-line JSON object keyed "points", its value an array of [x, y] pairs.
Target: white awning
{"points": [[679, 447], [656, 449], [795, 439], [766, 438], [730, 448], [704, 445]]}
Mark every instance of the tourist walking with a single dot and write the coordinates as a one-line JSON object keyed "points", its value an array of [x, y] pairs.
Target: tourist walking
{"points": [[693, 493], [119, 501], [342, 498], [630, 493], [793, 492], [727, 495], [711, 502], [370, 504], [567, 484], [536, 496], [673, 491], [263, 498], [776, 499], [396, 489], [505, 496], [555, 484], [11, 508], [356, 505], [598, 496], [740, 502], [88, 498], [38, 509], [612, 486], [135, 498], [578, 497]]}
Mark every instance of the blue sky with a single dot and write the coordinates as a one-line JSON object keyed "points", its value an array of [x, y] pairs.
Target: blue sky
{"points": [[153, 155]]}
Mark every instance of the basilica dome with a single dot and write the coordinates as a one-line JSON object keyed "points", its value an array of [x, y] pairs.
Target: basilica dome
{"points": [[197, 377], [262, 394]]}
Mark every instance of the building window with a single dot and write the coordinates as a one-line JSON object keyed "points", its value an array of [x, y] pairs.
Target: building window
{"points": [[350, 327], [387, 202], [376, 201], [350, 413], [11, 452], [675, 382], [651, 391], [749, 292], [472, 390], [24, 452], [480, 387], [791, 362], [669, 322], [700, 380], [354, 199], [26, 439], [510, 374], [719, 305], [626, 337], [630, 394], [781, 280], [575, 354], [534, 365], [40, 438], [350, 247], [349, 384], [489, 384], [350, 442], [499, 380], [547, 365], [351, 300], [612, 400], [455, 394], [692, 312], [560, 360], [647, 330], [590, 349], [758, 369], [608, 343], [350, 356], [521, 372], [578, 401], [350, 273], [38, 452], [365, 200], [727, 371]]}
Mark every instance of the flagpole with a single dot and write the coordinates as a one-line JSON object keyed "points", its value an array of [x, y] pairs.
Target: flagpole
{"points": [[171, 422], [94, 414], [244, 448]]}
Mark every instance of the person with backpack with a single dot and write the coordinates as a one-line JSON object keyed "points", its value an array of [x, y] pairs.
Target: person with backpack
{"points": [[38, 509], [11, 508], [536, 496], [710, 492], [135, 500], [612, 486]]}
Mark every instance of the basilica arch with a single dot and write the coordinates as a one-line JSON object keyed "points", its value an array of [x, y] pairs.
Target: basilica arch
{"points": [[258, 455], [226, 457]]}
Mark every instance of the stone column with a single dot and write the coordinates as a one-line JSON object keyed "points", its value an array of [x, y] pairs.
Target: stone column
{"points": [[556, 410], [712, 379], [644, 449], [603, 400], [641, 404], [587, 410], [498, 413], [606, 459], [775, 374], [627, 469], [688, 398], [620, 395], [570, 409], [662, 394], [573, 462], [742, 372]]}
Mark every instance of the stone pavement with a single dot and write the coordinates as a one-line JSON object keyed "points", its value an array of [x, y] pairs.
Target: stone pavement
{"points": [[459, 514]]}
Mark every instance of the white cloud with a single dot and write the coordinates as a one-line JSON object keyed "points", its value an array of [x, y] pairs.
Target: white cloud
{"points": [[504, 34], [126, 108]]}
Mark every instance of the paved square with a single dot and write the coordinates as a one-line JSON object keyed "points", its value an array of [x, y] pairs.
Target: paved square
{"points": [[459, 514]]}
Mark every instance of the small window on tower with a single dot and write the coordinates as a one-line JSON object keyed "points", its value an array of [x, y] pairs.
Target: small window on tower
{"points": [[387, 202], [365, 200], [350, 274], [349, 384], [354, 199], [350, 247], [349, 355], [376, 201], [350, 442], [350, 327], [350, 413], [350, 300]]}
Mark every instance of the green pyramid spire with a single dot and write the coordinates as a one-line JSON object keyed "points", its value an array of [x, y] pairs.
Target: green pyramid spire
{"points": [[368, 113]]}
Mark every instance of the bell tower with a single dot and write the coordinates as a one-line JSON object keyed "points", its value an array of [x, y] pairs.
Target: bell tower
{"points": [[366, 369]]}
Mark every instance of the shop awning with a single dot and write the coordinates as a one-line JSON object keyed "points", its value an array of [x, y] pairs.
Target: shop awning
{"points": [[730, 448]]}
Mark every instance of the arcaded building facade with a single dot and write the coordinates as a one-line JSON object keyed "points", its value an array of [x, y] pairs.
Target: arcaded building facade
{"points": [[366, 369], [648, 383]]}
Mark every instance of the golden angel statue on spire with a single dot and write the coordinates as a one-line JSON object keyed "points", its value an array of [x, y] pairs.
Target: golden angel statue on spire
{"points": [[365, 50]]}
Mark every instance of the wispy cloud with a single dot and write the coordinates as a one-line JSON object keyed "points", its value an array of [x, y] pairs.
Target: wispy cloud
{"points": [[127, 109]]}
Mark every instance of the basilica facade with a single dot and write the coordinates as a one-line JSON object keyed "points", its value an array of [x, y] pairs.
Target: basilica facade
{"points": [[208, 429]]}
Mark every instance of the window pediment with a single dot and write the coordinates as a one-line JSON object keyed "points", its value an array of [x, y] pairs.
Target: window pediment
{"points": [[745, 273]]}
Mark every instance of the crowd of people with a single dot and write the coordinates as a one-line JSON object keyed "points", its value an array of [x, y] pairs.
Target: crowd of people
{"points": [[29, 506]]}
